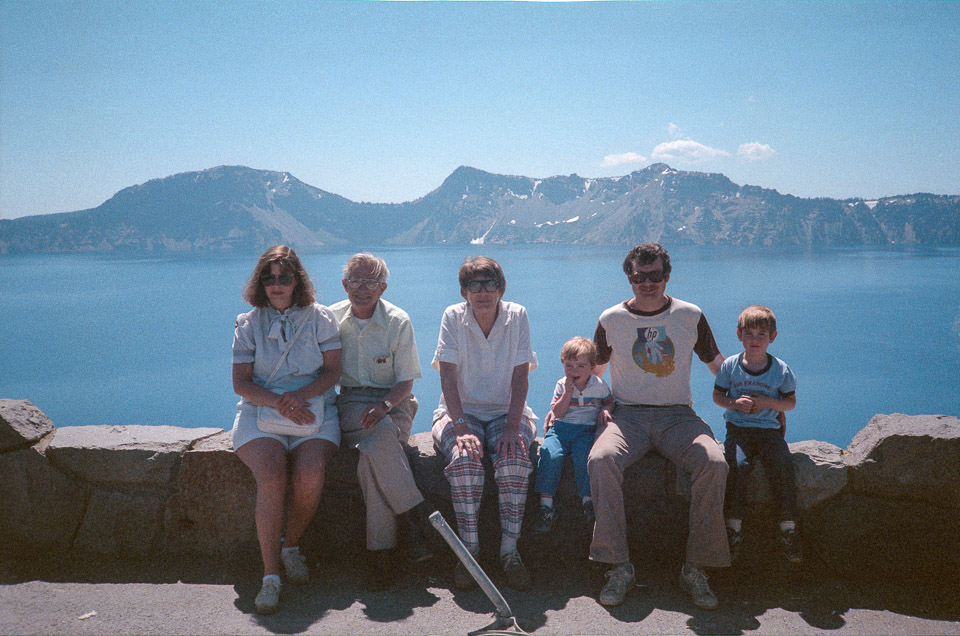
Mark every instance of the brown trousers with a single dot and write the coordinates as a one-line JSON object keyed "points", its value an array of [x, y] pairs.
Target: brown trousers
{"points": [[679, 435]]}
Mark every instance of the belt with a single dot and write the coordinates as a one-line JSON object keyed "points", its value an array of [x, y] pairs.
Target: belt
{"points": [[652, 406]]}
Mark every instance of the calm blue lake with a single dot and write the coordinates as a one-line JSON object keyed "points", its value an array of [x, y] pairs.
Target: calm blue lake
{"points": [[125, 340]]}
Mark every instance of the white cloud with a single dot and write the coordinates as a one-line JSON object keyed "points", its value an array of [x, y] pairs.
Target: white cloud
{"points": [[622, 158], [686, 150], [673, 131], [755, 151]]}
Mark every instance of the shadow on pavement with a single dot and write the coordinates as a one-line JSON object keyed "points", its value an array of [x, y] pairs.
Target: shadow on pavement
{"points": [[746, 593]]}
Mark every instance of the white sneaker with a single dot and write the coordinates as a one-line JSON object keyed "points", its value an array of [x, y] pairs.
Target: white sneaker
{"points": [[295, 566], [695, 581], [268, 599]]}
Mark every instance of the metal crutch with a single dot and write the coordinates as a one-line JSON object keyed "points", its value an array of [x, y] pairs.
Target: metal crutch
{"points": [[503, 619]]}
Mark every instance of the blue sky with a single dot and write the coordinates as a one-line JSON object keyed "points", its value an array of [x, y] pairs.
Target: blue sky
{"points": [[381, 101]]}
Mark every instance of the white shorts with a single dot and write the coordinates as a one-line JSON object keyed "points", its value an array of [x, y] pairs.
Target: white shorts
{"points": [[245, 426]]}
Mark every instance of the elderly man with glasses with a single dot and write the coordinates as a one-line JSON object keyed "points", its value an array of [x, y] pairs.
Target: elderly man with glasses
{"points": [[376, 405]]}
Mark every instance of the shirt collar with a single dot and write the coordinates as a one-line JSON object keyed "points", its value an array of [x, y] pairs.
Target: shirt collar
{"points": [[503, 317], [379, 316]]}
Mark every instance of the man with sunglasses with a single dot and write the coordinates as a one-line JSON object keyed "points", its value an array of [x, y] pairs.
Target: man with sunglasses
{"points": [[649, 341], [379, 364]]}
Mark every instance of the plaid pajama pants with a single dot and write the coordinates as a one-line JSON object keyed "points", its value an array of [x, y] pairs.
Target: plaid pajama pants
{"points": [[466, 476]]}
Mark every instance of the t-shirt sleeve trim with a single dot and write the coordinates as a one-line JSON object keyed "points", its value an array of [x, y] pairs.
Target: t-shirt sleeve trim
{"points": [[706, 347], [604, 350]]}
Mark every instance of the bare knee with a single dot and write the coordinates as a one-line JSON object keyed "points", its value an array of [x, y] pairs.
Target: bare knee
{"points": [[308, 479], [271, 478]]}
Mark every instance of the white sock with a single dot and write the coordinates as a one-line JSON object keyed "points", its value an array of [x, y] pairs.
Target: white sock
{"points": [[734, 524], [546, 500], [273, 577], [507, 545], [587, 498], [285, 551], [788, 525]]}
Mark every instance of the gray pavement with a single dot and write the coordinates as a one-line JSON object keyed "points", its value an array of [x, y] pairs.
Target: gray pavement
{"points": [[205, 597]]}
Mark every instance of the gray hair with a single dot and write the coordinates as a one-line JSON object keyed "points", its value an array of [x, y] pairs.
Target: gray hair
{"points": [[377, 266]]}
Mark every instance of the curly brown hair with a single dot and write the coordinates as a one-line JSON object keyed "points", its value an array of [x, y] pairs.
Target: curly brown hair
{"points": [[645, 255], [303, 294]]}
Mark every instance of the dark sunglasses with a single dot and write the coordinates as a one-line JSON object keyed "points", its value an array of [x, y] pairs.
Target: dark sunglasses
{"points": [[654, 277], [269, 280], [483, 285]]}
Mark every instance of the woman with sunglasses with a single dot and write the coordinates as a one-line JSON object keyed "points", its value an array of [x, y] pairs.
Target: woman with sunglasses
{"points": [[286, 361], [484, 356]]}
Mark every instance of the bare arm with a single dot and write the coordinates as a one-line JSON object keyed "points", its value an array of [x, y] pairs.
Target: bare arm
{"points": [[781, 404], [451, 393], [292, 404], [511, 442], [467, 442], [714, 365], [754, 403], [329, 376], [605, 414], [561, 405], [245, 387], [744, 403]]}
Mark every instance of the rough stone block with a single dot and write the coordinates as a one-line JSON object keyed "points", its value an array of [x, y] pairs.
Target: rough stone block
{"points": [[39, 505], [427, 467], [212, 510], [913, 457], [22, 424], [868, 538], [124, 454], [120, 524]]}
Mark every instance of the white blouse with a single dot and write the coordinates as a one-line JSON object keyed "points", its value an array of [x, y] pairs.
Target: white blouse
{"points": [[484, 363]]}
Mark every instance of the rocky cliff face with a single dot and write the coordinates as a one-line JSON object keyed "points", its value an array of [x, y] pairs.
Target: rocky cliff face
{"points": [[233, 207], [886, 508]]}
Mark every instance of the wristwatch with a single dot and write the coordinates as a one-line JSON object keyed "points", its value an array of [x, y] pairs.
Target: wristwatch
{"points": [[387, 404]]}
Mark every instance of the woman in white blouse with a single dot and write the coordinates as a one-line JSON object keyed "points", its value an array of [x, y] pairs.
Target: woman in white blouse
{"points": [[286, 361], [484, 356]]}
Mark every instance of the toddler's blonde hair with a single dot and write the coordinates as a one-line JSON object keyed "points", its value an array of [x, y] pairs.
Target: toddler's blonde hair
{"points": [[579, 346]]}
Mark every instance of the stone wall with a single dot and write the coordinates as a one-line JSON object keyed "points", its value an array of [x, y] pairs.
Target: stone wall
{"points": [[886, 507]]}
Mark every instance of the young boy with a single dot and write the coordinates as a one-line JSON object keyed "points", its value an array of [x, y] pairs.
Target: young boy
{"points": [[754, 387], [576, 403]]}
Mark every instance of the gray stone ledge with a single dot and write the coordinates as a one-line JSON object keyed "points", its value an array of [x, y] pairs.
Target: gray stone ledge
{"points": [[124, 454], [890, 502]]}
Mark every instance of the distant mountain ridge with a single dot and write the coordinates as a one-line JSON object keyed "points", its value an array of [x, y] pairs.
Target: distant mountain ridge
{"points": [[240, 208]]}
